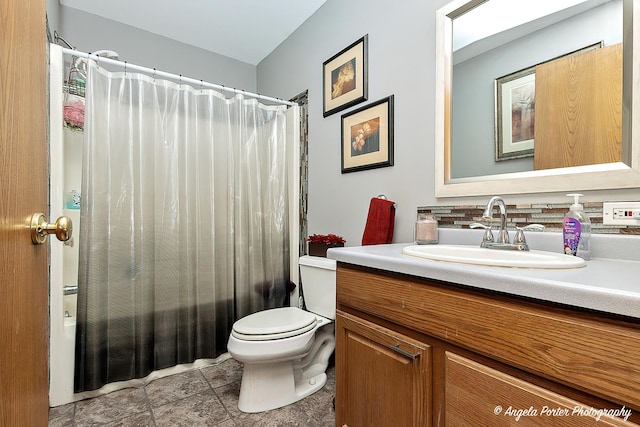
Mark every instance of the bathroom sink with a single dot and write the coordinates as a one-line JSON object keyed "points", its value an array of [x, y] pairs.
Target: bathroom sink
{"points": [[494, 257]]}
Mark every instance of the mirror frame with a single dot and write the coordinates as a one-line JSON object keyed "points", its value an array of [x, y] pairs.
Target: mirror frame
{"points": [[620, 175]]}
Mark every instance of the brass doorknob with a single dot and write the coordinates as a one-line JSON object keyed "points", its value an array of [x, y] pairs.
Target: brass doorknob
{"points": [[40, 228]]}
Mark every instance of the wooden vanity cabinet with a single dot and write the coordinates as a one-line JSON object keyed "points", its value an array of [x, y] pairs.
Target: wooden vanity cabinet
{"points": [[410, 351], [387, 370]]}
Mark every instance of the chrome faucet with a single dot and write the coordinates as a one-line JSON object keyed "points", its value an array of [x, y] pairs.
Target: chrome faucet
{"points": [[488, 241], [487, 215]]}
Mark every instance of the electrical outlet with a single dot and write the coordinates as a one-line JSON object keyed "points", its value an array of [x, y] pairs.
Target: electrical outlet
{"points": [[621, 213]]}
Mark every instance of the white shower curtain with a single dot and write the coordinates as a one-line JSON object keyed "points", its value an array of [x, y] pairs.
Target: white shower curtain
{"points": [[184, 223]]}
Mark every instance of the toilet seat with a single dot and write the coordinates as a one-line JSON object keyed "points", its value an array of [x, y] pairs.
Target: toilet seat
{"points": [[274, 324]]}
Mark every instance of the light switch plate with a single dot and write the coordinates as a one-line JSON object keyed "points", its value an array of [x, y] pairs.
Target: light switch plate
{"points": [[621, 213]]}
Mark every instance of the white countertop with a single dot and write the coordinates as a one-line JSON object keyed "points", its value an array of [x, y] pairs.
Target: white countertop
{"points": [[605, 284]]}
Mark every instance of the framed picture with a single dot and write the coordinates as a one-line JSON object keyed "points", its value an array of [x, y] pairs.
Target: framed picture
{"points": [[515, 114], [367, 137], [515, 106], [344, 76]]}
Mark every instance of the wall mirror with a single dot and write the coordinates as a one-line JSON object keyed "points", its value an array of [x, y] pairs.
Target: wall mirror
{"points": [[484, 175]]}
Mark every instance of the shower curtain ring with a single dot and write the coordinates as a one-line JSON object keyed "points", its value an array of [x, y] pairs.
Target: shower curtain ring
{"points": [[154, 73], [201, 83], [125, 67]]}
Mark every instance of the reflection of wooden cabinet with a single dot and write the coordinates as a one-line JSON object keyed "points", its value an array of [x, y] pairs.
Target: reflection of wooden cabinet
{"points": [[484, 358], [578, 118], [397, 393]]}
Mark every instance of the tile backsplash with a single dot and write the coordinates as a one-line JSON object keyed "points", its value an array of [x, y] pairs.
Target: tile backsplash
{"points": [[550, 215]]}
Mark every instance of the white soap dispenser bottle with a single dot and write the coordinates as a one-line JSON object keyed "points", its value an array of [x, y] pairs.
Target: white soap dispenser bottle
{"points": [[576, 230]]}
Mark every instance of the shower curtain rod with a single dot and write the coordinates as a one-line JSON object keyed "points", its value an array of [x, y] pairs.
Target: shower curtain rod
{"points": [[179, 78]]}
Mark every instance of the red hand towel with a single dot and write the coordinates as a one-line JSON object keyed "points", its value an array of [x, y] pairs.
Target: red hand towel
{"points": [[380, 221]]}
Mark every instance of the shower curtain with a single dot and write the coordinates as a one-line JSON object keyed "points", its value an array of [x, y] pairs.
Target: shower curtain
{"points": [[184, 222]]}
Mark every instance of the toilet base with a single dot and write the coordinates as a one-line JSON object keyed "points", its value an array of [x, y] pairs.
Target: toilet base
{"points": [[267, 386], [272, 385]]}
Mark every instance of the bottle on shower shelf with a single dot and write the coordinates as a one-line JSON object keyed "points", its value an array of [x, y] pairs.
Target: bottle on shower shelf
{"points": [[72, 201]]}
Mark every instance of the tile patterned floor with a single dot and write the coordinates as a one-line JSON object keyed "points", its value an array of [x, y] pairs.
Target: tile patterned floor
{"points": [[203, 397]]}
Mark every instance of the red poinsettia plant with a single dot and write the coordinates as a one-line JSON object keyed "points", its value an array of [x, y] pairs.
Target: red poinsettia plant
{"points": [[327, 239]]}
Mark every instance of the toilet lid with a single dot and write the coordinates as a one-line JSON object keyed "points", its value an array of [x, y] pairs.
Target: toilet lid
{"points": [[274, 324]]}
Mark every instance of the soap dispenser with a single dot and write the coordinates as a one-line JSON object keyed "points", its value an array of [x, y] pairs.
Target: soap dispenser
{"points": [[576, 229]]}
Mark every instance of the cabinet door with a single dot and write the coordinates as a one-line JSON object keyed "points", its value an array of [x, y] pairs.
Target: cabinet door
{"points": [[476, 395], [382, 377]]}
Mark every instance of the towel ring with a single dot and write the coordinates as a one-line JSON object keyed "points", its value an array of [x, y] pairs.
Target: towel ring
{"points": [[383, 197]]}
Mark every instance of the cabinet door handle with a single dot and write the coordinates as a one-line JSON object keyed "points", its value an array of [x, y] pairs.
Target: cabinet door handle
{"points": [[397, 349]]}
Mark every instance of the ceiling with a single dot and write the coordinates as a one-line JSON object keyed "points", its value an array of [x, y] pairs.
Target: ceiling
{"points": [[246, 30]]}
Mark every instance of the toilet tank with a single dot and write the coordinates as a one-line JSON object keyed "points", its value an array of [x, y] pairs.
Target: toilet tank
{"points": [[319, 285]]}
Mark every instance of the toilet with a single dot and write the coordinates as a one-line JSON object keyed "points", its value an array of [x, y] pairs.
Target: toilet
{"points": [[285, 351]]}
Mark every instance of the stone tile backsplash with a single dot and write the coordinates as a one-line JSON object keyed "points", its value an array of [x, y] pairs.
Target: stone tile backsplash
{"points": [[550, 215]]}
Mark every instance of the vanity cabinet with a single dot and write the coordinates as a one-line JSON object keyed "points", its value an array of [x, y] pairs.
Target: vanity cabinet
{"points": [[470, 357], [387, 370]]}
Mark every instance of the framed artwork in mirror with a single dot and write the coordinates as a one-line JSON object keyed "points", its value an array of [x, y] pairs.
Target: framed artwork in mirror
{"points": [[345, 77], [515, 105], [367, 137], [515, 114]]}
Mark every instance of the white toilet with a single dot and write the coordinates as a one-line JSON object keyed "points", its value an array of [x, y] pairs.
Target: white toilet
{"points": [[285, 351]]}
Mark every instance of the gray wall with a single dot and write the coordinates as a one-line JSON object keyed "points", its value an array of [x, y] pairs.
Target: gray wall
{"points": [[53, 15], [90, 33], [473, 116], [401, 62]]}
